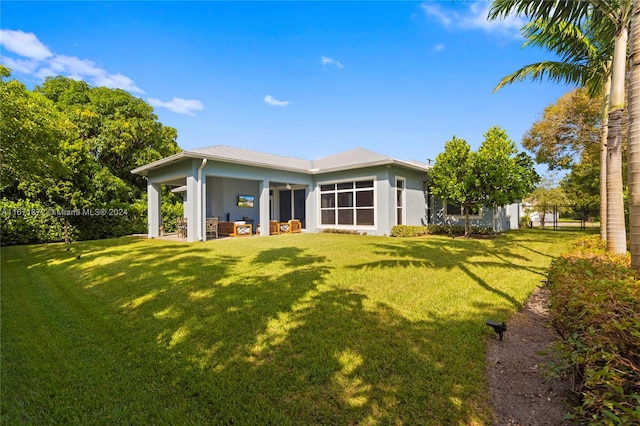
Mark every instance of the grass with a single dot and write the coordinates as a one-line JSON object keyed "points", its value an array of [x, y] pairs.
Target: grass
{"points": [[292, 329]]}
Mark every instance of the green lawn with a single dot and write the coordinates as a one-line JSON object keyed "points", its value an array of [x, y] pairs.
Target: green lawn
{"points": [[290, 329]]}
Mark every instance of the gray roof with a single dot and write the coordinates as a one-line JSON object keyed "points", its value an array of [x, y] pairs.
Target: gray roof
{"points": [[355, 158], [231, 153]]}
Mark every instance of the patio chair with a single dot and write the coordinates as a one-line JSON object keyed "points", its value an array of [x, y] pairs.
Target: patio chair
{"points": [[291, 227], [181, 227], [212, 226], [274, 227]]}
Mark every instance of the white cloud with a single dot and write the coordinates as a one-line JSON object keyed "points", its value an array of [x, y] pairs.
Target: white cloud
{"points": [[117, 81], [24, 44], [474, 17], [39, 61], [269, 100], [178, 105], [24, 66], [435, 11], [79, 69], [477, 18], [438, 47], [325, 60]]}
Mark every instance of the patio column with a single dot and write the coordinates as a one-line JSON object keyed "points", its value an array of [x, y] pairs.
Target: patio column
{"points": [[264, 208], [191, 209], [153, 209]]}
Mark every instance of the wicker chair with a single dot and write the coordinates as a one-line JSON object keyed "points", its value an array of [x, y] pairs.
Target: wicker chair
{"points": [[181, 227], [212, 226]]}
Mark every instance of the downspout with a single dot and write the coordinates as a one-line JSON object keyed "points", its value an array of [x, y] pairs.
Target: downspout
{"points": [[200, 206]]}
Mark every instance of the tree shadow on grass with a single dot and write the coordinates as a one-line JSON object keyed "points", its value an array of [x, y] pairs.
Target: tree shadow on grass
{"points": [[185, 335], [469, 257]]}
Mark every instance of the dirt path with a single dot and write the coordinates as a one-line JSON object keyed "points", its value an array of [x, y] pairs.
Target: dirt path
{"points": [[519, 392]]}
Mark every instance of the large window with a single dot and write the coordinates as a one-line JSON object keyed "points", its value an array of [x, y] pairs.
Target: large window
{"points": [[347, 203]]}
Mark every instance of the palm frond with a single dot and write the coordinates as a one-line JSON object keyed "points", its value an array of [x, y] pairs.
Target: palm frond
{"points": [[554, 11], [550, 70], [585, 47]]}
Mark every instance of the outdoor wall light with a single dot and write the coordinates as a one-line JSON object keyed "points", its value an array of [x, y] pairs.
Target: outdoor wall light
{"points": [[498, 327]]}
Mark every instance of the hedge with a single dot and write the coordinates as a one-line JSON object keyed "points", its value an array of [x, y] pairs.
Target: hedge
{"points": [[30, 222], [418, 231], [595, 307]]}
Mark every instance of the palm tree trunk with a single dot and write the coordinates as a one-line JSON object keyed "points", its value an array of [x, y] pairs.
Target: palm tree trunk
{"points": [[603, 159], [616, 232], [634, 138]]}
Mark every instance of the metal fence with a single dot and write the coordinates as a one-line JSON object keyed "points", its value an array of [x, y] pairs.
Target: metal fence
{"points": [[574, 216]]}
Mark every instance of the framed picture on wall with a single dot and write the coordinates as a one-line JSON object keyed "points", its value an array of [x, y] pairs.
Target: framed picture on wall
{"points": [[245, 200]]}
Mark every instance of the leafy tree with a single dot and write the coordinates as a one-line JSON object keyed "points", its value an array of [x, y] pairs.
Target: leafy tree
{"points": [[30, 130], [567, 137], [69, 146], [120, 130], [567, 128], [453, 176], [545, 197], [506, 175], [582, 185], [494, 175]]}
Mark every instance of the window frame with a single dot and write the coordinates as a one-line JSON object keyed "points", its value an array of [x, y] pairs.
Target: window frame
{"points": [[337, 211], [478, 215], [401, 195]]}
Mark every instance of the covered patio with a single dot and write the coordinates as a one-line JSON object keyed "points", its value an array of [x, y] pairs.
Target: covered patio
{"points": [[240, 196]]}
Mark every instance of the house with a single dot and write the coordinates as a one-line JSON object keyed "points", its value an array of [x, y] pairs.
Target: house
{"points": [[356, 190]]}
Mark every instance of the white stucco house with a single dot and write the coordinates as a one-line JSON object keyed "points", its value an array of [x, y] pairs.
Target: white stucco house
{"points": [[356, 190]]}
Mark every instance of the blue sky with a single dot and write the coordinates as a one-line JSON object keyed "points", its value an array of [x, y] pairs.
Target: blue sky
{"points": [[306, 79]]}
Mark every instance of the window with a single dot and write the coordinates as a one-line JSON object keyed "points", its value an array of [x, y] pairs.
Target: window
{"points": [[347, 203], [400, 184], [453, 209]]}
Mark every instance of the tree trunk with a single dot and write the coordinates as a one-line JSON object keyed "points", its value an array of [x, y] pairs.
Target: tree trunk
{"points": [[467, 230], [603, 160], [634, 138], [616, 232]]}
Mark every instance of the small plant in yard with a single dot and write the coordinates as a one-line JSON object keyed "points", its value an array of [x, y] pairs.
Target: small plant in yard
{"points": [[595, 306]]}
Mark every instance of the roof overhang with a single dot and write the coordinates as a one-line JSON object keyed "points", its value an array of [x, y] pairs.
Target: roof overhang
{"points": [[185, 155], [144, 170]]}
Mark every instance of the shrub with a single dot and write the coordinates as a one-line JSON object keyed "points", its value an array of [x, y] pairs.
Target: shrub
{"points": [[525, 221], [342, 231], [595, 306], [482, 230], [27, 222], [409, 231], [171, 211]]}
